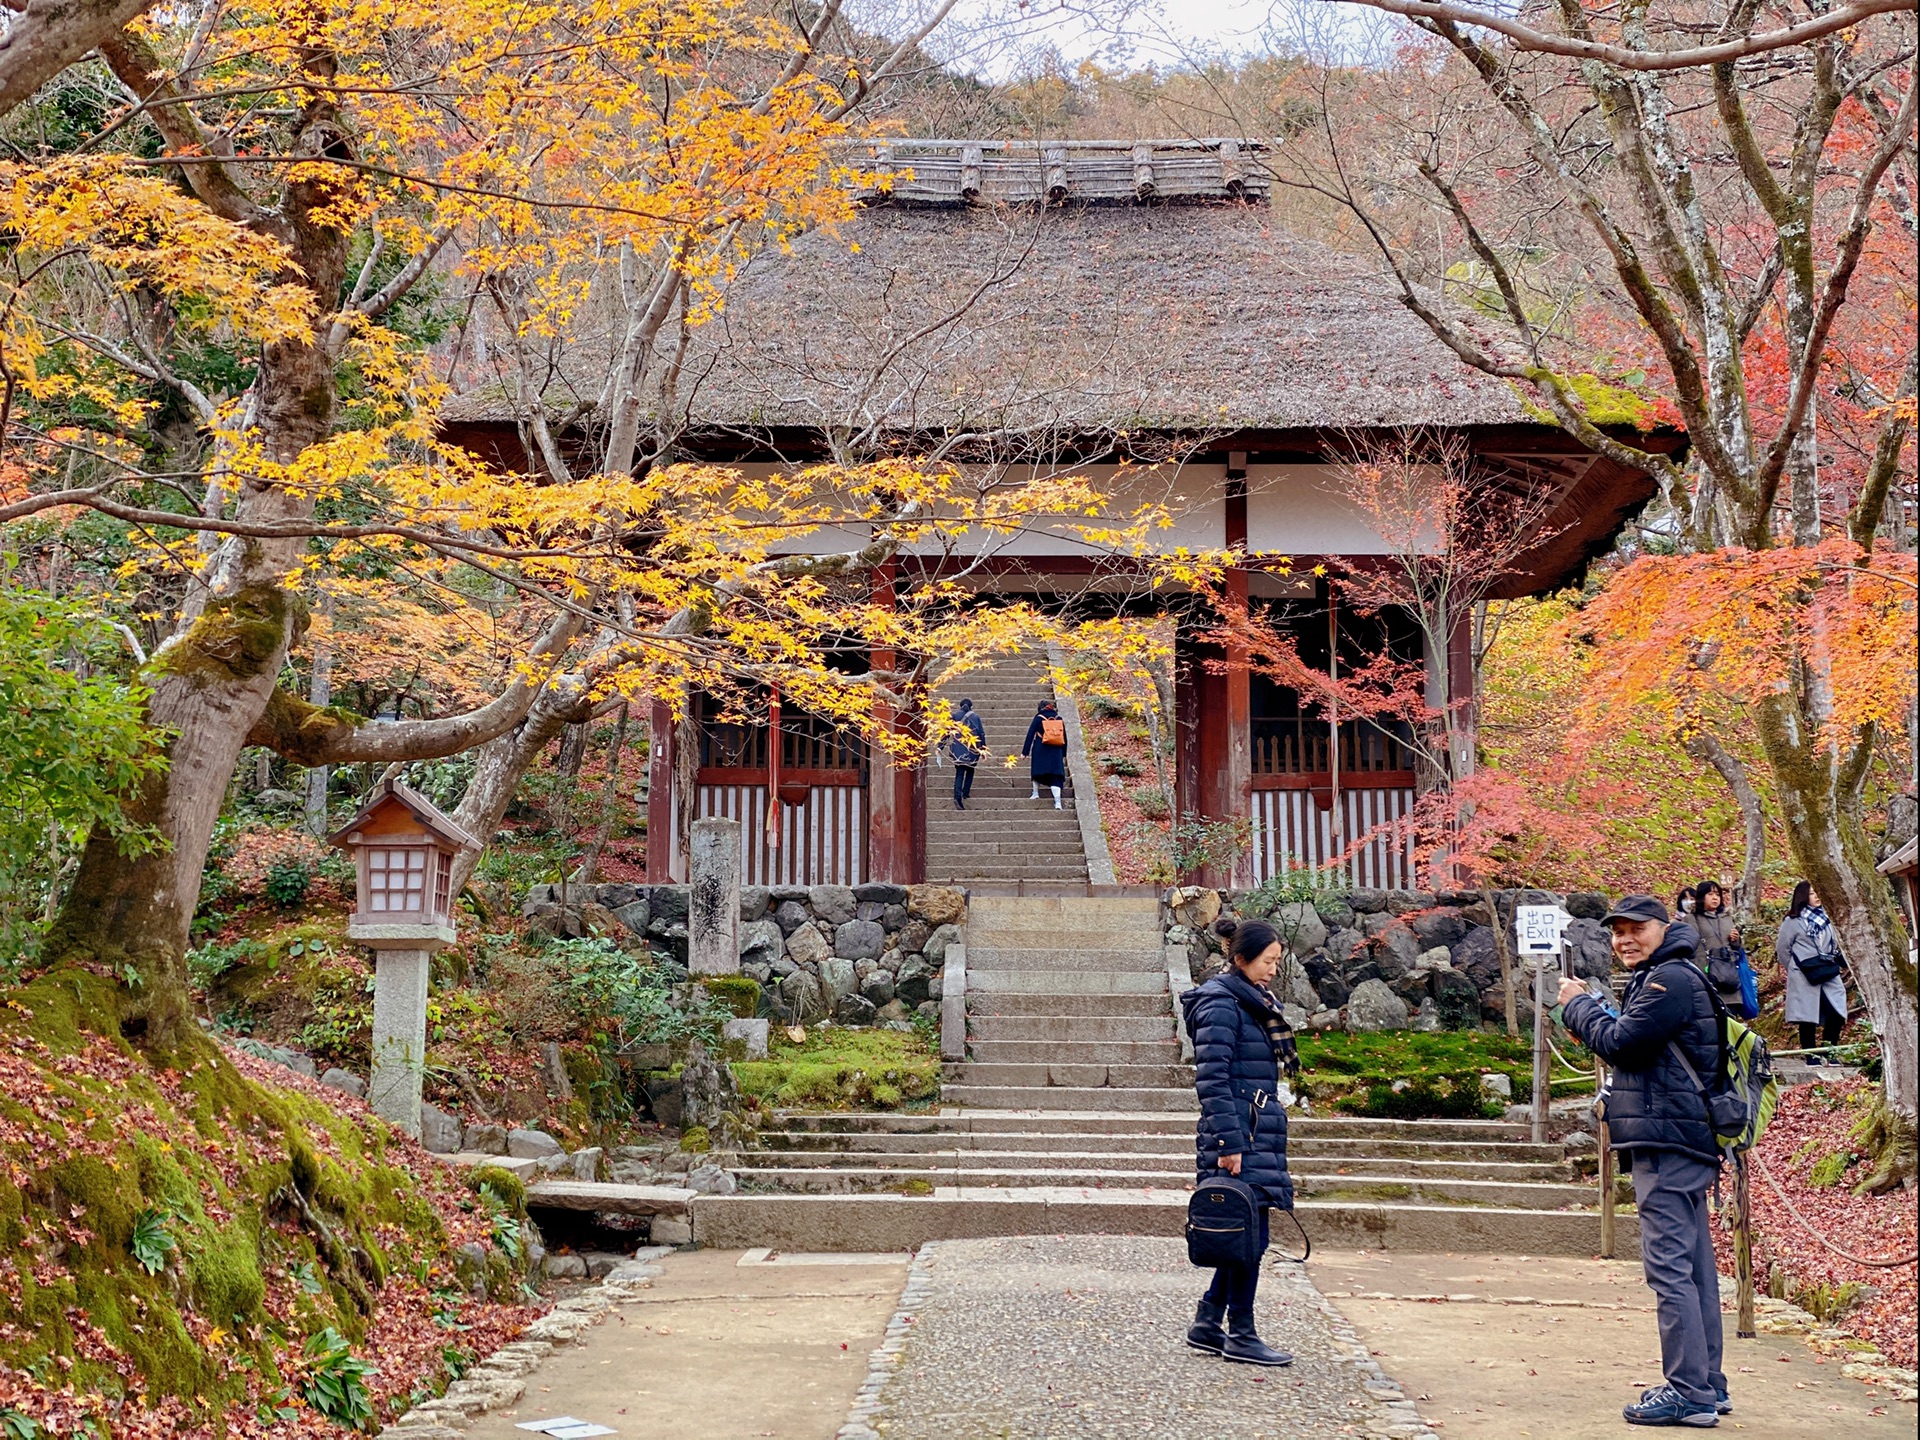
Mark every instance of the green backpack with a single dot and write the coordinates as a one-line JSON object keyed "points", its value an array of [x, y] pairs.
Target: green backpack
{"points": [[1742, 1106]]}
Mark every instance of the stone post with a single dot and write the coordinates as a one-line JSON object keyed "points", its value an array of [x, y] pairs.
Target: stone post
{"points": [[713, 906], [399, 1035]]}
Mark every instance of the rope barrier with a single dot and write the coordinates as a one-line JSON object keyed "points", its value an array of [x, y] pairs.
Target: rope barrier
{"points": [[1893, 1263]]}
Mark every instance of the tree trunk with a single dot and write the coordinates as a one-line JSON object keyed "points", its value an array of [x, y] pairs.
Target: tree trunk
{"points": [[1828, 837], [320, 695], [1746, 890]]}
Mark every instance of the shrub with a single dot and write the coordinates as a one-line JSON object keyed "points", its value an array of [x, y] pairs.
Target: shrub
{"points": [[1120, 765], [1101, 707], [1150, 801], [336, 1383], [696, 1141], [288, 881], [1828, 1170], [1424, 1099]]}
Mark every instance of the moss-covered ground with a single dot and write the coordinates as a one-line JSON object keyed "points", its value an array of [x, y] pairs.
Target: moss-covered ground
{"points": [[1355, 1074], [837, 1069], [189, 1242]]}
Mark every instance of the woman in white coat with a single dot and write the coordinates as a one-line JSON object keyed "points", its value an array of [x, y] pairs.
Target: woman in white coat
{"points": [[1809, 952]]}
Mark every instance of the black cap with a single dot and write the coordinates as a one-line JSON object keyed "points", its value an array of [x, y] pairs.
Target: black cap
{"points": [[1638, 907]]}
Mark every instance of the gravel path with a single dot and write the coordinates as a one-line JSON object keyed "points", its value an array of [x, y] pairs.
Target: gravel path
{"points": [[1076, 1337]]}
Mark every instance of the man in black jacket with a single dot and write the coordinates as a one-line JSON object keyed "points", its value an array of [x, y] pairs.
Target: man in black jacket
{"points": [[1657, 1114]]}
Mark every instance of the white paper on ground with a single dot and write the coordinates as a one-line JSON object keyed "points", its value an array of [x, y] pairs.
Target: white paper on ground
{"points": [[579, 1432], [547, 1427]]}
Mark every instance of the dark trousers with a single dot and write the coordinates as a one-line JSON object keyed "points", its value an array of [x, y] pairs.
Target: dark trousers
{"points": [[1233, 1285], [962, 782], [1676, 1248], [1831, 1020]]}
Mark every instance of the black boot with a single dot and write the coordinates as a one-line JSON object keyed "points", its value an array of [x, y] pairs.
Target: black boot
{"points": [[1206, 1333], [1245, 1345]]}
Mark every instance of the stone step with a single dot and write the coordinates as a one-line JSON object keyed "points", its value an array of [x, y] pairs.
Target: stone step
{"points": [[1035, 941], [834, 1180], [1036, 961], [986, 1120], [1076, 1052], [1132, 907], [1066, 982], [905, 1222], [1070, 1076], [1065, 1097], [1037, 1006], [1173, 1153], [1041, 1028]]}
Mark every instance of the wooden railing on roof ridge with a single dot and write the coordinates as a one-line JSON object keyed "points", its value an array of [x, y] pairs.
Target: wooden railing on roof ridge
{"points": [[1015, 172]]}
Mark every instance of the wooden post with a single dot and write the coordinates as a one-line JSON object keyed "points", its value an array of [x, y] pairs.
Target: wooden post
{"points": [[1606, 1169], [1743, 1248], [1541, 1090], [660, 818]]}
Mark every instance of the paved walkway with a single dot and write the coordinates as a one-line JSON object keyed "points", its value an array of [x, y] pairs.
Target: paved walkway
{"points": [[1520, 1348], [1076, 1337], [717, 1350]]}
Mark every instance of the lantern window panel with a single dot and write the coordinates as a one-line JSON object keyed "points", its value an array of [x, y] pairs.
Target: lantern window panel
{"points": [[396, 878]]}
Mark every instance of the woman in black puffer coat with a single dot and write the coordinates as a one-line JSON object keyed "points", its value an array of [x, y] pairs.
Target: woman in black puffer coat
{"points": [[1241, 1045]]}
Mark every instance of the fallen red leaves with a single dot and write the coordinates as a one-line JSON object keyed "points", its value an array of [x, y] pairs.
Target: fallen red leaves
{"points": [[1813, 1122]]}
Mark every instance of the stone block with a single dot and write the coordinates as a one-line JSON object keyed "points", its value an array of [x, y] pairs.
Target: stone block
{"points": [[937, 904], [807, 946], [1332, 992], [1438, 958], [669, 903], [486, 1139], [803, 998], [1585, 905], [439, 1131], [836, 979], [1496, 1083], [1438, 927], [893, 918], [910, 985], [869, 910], [878, 892], [1405, 902], [665, 1230], [614, 894], [587, 1164], [790, 915], [713, 914], [532, 1145], [854, 1009], [755, 901], [761, 942], [878, 988], [750, 1033], [832, 903], [1335, 910], [859, 940], [1300, 927], [1367, 901], [1373, 1007], [935, 948], [634, 917], [1195, 906], [566, 1267], [344, 1081]]}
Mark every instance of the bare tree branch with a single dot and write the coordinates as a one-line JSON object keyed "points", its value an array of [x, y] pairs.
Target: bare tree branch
{"points": [[1526, 37]]}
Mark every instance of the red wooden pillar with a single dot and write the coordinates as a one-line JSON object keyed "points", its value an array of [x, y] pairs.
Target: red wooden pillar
{"points": [[660, 728], [1235, 798], [896, 796]]}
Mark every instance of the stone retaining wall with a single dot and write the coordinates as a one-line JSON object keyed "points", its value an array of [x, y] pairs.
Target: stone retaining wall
{"points": [[1391, 959], [860, 955]]}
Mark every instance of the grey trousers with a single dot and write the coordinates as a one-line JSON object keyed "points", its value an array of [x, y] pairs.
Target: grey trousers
{"points": [[1676, 1248]]}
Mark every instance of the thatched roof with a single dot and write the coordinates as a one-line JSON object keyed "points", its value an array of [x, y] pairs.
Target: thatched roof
{"points": [[1087, 318]]}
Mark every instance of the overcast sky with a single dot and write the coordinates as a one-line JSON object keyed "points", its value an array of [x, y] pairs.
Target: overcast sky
{"points": [[997, 38]]}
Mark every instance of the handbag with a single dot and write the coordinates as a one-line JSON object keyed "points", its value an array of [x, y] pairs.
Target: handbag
{"points": [[1819, 970], [1723, 970], [1749, 989]]}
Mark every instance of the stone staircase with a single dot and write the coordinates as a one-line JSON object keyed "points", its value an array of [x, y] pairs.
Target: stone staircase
{"points": [[1068, 1008], [1002, 837], [1073, 1112]]}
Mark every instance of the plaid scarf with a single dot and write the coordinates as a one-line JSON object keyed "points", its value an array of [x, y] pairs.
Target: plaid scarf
{"points": [[1280, 1036], [1819, 927]]}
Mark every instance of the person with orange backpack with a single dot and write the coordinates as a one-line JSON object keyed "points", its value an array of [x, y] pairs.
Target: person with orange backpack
{"points": [[1046, 743]]}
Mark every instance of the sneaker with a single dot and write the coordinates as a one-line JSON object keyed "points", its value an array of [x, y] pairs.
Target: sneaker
{"points": [[1664, 1405], [1722, 1403]]}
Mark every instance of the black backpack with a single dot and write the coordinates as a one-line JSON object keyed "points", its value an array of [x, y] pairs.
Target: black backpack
{"points": [[1223, 1224]]}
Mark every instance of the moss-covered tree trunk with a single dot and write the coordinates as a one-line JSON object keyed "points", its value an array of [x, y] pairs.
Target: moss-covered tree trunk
{"points": [[214, 680]]}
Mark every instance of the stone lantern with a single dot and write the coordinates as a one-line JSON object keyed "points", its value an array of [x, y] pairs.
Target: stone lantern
{"points": [[403, 849]]}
